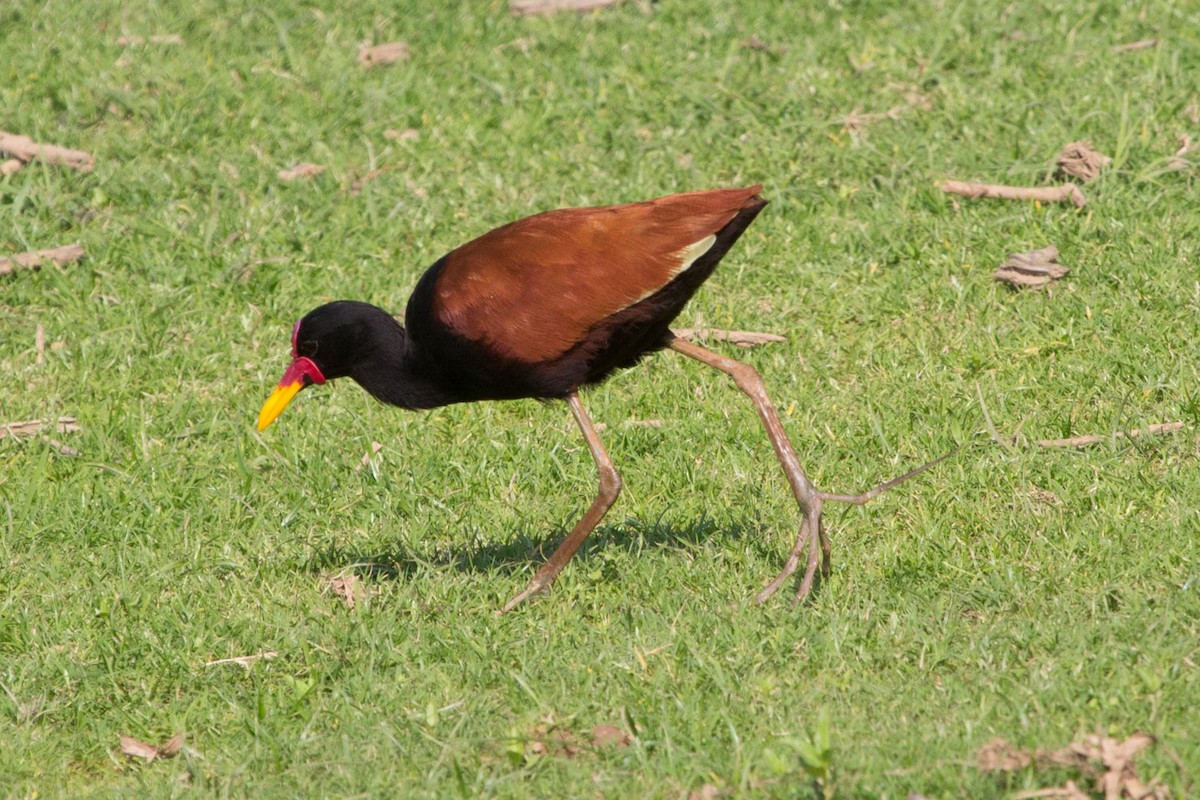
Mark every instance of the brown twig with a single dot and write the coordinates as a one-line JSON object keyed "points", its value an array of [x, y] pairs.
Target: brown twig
{"points": [[35, 258], [740, 338], [1096, 438], [39, 343], [26, 149], [1067, 193], [63, 449], [1144, 44], [243, 661], [35, 426], [528, 8]]}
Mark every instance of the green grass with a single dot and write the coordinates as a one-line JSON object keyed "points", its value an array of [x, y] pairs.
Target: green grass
{"points": [[963, 606]]}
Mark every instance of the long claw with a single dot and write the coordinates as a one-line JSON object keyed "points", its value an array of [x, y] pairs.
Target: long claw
{"points": [[536, 586], [789, 566]]}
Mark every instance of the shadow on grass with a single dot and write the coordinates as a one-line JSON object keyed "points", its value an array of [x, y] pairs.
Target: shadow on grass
{"points": [[522, 551], [523, 554]]}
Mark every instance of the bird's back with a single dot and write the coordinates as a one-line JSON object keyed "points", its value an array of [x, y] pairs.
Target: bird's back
{"points": [[547, 303]]}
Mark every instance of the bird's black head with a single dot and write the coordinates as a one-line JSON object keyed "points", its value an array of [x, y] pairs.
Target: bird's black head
{"points": [[340, 336], [338, 339]]}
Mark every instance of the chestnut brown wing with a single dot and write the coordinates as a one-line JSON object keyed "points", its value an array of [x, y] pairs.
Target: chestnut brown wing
{"points": [[532, 289]]}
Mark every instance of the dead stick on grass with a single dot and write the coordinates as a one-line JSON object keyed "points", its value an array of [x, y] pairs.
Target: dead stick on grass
{"points": [[26, 149], [527, 8], [63, 449], [30, 427], [740, 338], [1096, 438], [243, 661], [39, 343], [1144, 44], [1067, 193], [35, 258]]}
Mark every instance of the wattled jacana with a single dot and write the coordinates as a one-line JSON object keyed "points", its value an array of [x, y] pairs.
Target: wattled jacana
{"points": [[541, 307]]}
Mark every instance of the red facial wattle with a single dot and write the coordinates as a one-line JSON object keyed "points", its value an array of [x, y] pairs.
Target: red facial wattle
{"points": [[300, 373]]}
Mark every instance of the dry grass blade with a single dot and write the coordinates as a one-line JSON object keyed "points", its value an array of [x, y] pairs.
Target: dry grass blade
{"points": [[1081, 160], [740, 338], [1096, 438], [382, 54], [32, 427], [244, 661], [1036, 268], [528, 8], [1144, 44], [1067, 193], [159, 38], [26, 149], [33, 259], [301, 170]]}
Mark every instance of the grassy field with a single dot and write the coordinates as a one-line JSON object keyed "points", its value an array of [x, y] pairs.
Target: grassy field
{"points": [[1033, 594]]}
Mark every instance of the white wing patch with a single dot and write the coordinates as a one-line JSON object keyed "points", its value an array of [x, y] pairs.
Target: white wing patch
{"points": [[686, 257]]}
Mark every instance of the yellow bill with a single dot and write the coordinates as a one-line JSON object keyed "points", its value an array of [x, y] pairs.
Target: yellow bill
{"points": [[277, 402], [299, 374]]}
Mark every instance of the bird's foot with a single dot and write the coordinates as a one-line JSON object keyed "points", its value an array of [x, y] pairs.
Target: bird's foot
{"points": [[812, 533], [539, 584]]}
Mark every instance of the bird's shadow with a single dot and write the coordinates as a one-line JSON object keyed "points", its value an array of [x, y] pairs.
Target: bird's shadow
{"points": [[523, 552]]}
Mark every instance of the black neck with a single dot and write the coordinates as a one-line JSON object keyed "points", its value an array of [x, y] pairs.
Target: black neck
{"points": [[395, 373]]}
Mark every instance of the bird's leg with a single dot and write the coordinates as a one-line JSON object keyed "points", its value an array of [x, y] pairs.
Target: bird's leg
{"points": [[807, 496], [610, 487], [811, 501]]}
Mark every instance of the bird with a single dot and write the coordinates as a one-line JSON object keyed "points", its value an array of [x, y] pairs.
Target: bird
{"points": [[541, 308]]}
